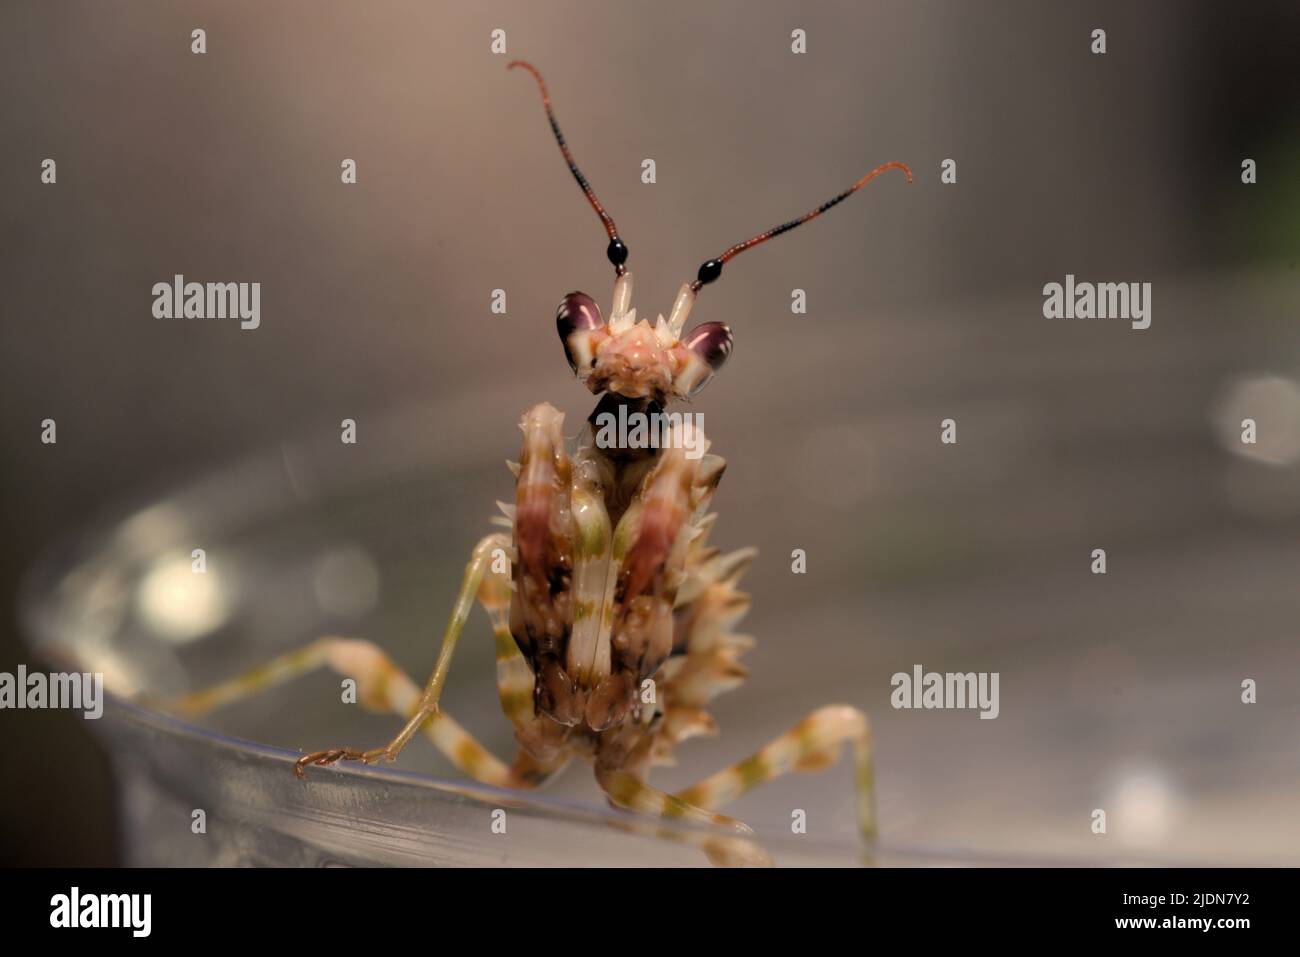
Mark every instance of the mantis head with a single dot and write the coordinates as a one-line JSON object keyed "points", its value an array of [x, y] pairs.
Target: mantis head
{"points": [[634, 359]]}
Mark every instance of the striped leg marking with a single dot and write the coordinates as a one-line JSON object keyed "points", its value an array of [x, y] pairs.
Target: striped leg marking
{"points": [[628, 791], [514, 677], [810, 745], [381, 686]]}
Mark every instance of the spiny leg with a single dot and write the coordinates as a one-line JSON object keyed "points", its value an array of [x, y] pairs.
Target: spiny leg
{"points": [[381, 686], [626, 790], [810, 745]]}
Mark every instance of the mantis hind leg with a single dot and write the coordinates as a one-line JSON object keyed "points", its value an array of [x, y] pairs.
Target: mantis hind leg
{"points": [[426, 706], [384, 687], [810, 745], [738, 848], [381, 686]]}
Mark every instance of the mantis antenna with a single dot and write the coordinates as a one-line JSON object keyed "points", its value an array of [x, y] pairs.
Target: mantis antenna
{"points": [[712, 269], [616, 251]]}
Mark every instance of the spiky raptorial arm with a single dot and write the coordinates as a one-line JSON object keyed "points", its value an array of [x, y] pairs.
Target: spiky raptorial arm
{"points": [[588, 654]]}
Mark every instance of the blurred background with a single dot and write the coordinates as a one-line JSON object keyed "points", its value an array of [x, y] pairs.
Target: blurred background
{"points": [[924, 303]]}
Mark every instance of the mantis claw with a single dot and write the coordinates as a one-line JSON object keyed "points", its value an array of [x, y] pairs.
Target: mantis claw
{"points": [[333, 755], [325, 758]]}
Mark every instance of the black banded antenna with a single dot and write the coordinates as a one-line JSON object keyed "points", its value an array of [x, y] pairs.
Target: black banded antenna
{"points": [[616, 251], [712, 269]]}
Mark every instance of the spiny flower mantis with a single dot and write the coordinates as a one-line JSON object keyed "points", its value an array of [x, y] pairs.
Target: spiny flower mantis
{"points": [[613, 617]]}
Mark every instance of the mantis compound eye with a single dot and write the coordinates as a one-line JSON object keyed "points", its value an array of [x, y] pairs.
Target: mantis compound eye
{"points": [[711, 342], [578, 312]]}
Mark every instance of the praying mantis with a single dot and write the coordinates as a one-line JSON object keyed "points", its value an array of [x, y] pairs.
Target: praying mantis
{"points": [[612, 616]]}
